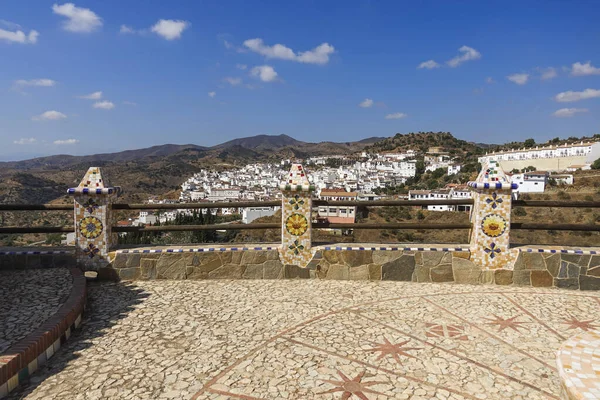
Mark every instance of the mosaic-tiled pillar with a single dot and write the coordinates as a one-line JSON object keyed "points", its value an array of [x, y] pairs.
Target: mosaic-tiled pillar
{"points": [[93, 220], [490, 237], [296, 210]]}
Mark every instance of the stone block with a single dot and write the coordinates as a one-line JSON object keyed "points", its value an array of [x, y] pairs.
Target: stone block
{"points": [[170, 266], [503, 277], [227, 271], [465, 271], [133, 260], [252, 257], [553, 264], [398, 270], [338, 272], [447, 259], [381, 256], [253, 271], [237, 257], [322, 268], [355, 258], [34, 261], [295, 272], [129, 274], [589, 282], [107, 274], [594, 262], [226, 256], [585, 260], [563, 270], [273, 255], [441, 273], [462, 254], [594, 271], [120, 260], [530, 261], [331, 256], [375, 272], [64, 260], [147, 269], [422, 274], [432, 258], [272, 269], [360, 273], [522, 278], [487, 277], [572, 258], [573, 271], [418, 258], [567, 283], [47, 261], [541, 279]]}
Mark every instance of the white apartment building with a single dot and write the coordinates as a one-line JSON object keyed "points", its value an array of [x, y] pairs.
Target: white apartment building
{"points": [[147, 217], [249, 214], [442, 194], [571, 150], [453, 169], [531, 182]]}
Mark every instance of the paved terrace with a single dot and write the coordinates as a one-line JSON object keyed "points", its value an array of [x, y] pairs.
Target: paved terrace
{"points": [[304, 339]]}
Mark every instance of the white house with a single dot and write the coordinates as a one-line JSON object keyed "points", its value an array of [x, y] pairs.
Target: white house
{"points": [[531, 182]]}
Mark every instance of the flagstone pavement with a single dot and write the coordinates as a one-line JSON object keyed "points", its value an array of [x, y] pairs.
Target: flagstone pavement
{"points": [[305, 339]]}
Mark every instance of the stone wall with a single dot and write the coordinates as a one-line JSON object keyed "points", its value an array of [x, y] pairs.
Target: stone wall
{"points": [[569, 271], [13, 259]]}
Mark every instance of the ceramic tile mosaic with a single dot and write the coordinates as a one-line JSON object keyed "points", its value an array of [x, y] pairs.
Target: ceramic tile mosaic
{"points": [[578, 362], [93, 219], [491, 218], [296, 210]]}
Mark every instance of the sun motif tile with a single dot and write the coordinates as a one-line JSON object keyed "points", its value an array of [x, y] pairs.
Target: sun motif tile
{"points": [[90, 227], [493, 225], [296, 224]]}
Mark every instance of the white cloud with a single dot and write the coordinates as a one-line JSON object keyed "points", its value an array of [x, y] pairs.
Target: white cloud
{"points": [[318, 55], [489, 80], [233, 81], [468, 54], [366, 103], [579, 69], [78, 19], [265, 73], [126, 29], [212, 94], [92, 96], [397, 115], [67, 141], [519, 79], [241, 66], [428, 65], [49, 116], [10, 25], [129, 103], [570, 96], [104, 105], [547, 73], [568, 112], [25, 141], [228, 45], [170, 29], [35, 82], [19, 36]]}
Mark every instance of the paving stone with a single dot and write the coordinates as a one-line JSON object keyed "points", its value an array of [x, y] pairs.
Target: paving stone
{"points": [[133, 260], [399, 270], [254, 271], [375, 272], [572, 258], [573, 271], [338, 271], [594, 271], [359, 273], [487, 277], [147, 268], [530, 261], [563, 271], [594, 262], [462, 254], [432, 258], [503, 277], [422, 274], [296, 272], [382, 256], [272, 269], [253, 257], [171, 266], [355, 258], [541, 279]]}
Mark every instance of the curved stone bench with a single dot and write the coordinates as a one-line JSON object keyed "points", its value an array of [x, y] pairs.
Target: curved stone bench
{"points": [[23, 358], [578, 362]]}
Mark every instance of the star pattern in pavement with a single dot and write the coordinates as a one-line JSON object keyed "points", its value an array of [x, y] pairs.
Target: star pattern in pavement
{"points": [[354, 386], [395, 350], [575, 323], [506, 323]]}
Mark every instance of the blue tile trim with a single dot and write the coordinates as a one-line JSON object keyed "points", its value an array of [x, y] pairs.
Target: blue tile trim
{"points": [[559, 251], [38, 252]]}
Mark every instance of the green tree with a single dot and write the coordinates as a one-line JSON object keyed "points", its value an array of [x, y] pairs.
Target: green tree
{"points": [[596, 164], [529, 143]]}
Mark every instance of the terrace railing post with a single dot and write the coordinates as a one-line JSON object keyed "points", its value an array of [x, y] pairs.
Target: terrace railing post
{"points": [[93, 219], [490, 235], [296, 215]]}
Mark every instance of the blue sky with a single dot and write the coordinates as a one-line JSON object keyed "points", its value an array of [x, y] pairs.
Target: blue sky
{"points": [[205, 72]]}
